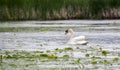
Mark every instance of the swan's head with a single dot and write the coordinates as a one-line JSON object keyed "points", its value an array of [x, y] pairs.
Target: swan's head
{"points": [[68, 31]]}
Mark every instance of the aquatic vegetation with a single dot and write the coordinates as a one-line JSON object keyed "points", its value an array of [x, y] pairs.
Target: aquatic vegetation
{"points": [[38, 51], [94, 62], [118, 54], [78, 60], [44, 55], [106, 62], [94, 57], [7, 52], [115, 59], [68, 49], [13, 65], [53, 69], [53, 56], [48, 51], [66, 57], [1, 59], [59, 50], [104, 53], [8, 56], [100, 49], [87, 55]]}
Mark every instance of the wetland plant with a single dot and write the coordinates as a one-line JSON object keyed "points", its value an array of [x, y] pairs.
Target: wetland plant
{"points": [[52, 56], [104, 53], [94, 62], [68, 49], [87, 55], [0, 59], [115, 59], [77, 61], [66, 57], [59, 50], [106, 62], [13, 65]]}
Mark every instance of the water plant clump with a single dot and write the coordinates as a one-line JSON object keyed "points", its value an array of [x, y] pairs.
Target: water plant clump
{"points": [[68, 49], [106, 62], [87, 55], [13, 65], [94, 62], [115, 59], [59, 50], [77, 61], [66, 57], [104, 53]]}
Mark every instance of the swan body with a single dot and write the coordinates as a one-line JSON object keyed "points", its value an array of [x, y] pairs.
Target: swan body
{"points": [[76, 40]]}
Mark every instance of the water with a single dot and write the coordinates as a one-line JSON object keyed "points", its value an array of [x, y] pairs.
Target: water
{"points": [[103, 34]]}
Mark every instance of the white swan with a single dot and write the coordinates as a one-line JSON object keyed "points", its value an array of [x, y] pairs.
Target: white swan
{"points": [[75, 40]]}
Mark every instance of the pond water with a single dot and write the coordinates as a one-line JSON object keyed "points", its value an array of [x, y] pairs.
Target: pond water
{"points": [[46, 48]]}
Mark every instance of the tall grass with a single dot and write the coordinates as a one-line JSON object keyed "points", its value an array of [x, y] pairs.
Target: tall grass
{"points": [[58, 9]]}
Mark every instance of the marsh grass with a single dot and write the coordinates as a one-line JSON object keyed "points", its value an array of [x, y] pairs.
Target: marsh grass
{"points": [[58, 9]]}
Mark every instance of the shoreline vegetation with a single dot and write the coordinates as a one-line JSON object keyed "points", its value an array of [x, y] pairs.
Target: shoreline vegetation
{"points": [[59, 9]]}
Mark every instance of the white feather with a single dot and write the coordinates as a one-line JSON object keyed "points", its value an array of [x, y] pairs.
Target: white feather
{"points": [[76, 40]]}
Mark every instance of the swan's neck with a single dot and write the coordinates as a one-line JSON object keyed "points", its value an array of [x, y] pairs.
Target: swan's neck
{"points": [[72, 34]]}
